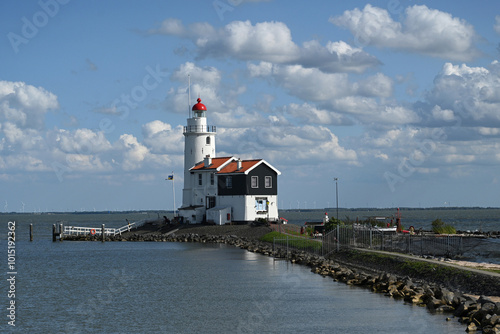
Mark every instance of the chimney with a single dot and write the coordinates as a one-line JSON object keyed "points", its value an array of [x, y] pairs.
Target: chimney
{"points": [[207, 161], [238, 162]]}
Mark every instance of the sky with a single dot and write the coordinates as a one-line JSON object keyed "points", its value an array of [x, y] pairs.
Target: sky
{"points": [[399, 100]]}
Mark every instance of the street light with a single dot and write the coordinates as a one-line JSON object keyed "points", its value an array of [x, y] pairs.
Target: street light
{"points": [[336, 179]]}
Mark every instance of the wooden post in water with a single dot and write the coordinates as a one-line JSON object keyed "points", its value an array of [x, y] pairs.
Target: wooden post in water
{"points": [[31, 232], [54, 233], [61, 232], [103, 234]]}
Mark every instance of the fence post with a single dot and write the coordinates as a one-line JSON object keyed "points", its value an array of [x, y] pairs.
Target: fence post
{"points": [[338, 238], [103, 234], [287, 247], [61, 232], [31, 232], [421, 243]]}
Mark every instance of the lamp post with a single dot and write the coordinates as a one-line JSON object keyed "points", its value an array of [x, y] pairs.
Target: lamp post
{"points": [[336, 179]]}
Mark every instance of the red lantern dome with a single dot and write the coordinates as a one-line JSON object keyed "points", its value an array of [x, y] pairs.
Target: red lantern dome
{"points": [[199, 106]]}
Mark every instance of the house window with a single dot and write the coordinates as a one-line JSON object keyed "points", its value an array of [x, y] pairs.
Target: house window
{"points": [[229, 182], [200, 179], [261, 204], [208, 140], [210, 202], [255, 181], [269, 182], [212, 179]]}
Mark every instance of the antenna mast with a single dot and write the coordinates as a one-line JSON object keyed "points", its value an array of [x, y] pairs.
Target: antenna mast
{"points": [[189, 95]]}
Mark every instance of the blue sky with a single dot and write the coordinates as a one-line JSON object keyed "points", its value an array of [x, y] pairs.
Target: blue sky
{"points": [[400, 100]]}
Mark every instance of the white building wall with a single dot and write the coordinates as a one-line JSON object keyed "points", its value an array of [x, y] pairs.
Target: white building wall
{"points": [[195, 149], [243, 207]]}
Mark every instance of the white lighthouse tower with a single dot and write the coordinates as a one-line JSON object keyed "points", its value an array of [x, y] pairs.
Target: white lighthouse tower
{"points": [[199, 145]]}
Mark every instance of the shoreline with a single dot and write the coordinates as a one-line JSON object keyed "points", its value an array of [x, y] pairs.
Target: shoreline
{"points": [[468, 295]]}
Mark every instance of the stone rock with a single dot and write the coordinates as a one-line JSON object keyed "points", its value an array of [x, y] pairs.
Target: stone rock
{"points": [[490, 320], [445, 309], [471, 327]]}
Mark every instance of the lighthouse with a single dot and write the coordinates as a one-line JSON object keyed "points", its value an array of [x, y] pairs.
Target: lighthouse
{"points": [[223, 190], [199, 145]]}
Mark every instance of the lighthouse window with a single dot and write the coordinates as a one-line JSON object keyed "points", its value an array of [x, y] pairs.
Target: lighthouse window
{"points": [[255, 181], [208, 140], [200, 179], [212, 179]]}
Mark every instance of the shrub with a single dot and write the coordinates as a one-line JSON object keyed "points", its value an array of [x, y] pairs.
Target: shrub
{"points": [[439, 227]]}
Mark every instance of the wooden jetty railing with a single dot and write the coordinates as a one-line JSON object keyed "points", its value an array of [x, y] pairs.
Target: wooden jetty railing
{"points": [[60, 231], [79, 230]]}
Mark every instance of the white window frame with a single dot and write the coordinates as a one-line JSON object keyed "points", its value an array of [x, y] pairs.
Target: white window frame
{"points": [[200, 179], [255, 182], [269, 182], [261, 205]]}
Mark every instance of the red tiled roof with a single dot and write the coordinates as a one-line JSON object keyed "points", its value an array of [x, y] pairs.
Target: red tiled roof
{"points": [[229, 165], [216, 163], [245, 165]]}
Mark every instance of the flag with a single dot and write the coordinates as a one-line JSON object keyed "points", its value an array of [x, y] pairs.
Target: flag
{"points": [[170, 177]]}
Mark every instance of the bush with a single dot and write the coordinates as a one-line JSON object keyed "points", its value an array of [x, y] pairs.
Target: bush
{"points": [[439, 227]]}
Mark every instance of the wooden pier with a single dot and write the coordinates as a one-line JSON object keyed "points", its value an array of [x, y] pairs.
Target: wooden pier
{"points": [[60, 231]]}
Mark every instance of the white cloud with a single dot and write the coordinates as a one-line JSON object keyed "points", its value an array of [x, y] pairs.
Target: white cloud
{"points": [[296, 145], [161, 138], [424, 30], [205, 76], [443, 114], [80, 141], [133, 152], [25, 105], [308, 114], [268, 42], [471, 93], [496, 27]]}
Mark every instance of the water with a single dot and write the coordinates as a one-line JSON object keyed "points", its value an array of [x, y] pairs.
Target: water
{"points": [[138, 287], [463, 219]]}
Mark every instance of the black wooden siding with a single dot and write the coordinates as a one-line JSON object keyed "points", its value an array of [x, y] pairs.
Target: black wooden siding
{"points": [[242, 184]]}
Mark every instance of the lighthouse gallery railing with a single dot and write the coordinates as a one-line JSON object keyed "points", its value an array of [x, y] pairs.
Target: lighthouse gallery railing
{"points": [[199, 128]]}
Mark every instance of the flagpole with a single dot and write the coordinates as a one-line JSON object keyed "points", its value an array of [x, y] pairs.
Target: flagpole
{"points": [[173, 189]]}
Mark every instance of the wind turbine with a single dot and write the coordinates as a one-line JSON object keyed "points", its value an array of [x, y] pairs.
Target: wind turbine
{"points": [[23, 205], [5, 206]]}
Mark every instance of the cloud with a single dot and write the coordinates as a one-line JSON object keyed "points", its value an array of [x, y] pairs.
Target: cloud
{"points": [[160, 138], [90, 65], [471, 94], [426, 31], [309, 114], [268, 42], [80, 141], [25, 105], [295, 145], [496, 27]]}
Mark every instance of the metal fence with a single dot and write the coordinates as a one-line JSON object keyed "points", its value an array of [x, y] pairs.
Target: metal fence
{"points": [[418, 244], [283, 246], [350, 236]]}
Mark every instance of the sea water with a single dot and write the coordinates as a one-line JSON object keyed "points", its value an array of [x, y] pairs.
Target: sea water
{"points": [[141, 287]]}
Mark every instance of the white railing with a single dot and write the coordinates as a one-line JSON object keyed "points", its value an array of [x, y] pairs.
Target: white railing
{"points": [[78, 230]]}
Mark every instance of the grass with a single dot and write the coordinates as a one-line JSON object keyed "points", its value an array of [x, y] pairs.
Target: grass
{"points": [[296, 242]]}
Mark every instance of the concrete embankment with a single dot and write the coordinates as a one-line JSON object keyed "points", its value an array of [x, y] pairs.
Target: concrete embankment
{"points": [[438, 287]]}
